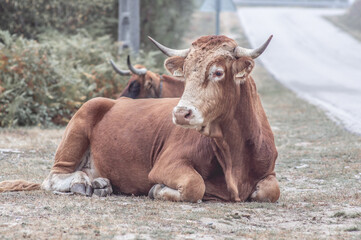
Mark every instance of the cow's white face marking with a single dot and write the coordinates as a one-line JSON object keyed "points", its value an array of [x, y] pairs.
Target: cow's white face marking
{"points": [[216, 73]]}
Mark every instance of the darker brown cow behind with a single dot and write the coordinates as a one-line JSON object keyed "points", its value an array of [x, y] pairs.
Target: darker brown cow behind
{"points": [[146, 84], [214, 142]]}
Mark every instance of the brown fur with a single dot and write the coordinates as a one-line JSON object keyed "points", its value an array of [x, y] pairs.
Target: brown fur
{"points": [[172, 87], [207, 43], [173, 64]]}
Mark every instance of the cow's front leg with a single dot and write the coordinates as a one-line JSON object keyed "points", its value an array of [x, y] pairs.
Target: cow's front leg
{"points": [[267, 190], [161, 191], [176, 184]]}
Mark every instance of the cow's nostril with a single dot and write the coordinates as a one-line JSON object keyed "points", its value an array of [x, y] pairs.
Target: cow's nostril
{"points": [[182, 116], [188, 115]]}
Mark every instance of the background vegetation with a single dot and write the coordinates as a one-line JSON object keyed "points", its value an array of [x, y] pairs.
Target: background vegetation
{"points": [[32, 17], [54, 54]]}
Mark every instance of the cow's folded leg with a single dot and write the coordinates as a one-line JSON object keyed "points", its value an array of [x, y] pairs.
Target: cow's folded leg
{"points": [[178, 184], [102, 187], [161, 191], [77, 182], [267, 190]]}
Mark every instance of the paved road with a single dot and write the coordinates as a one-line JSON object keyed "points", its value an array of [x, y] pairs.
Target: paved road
{"points": [[312, 57]]}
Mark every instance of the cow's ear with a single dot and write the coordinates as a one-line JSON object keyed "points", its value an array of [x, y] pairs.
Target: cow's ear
{"points": [[174, 65], [148, 83], [241, 69]]}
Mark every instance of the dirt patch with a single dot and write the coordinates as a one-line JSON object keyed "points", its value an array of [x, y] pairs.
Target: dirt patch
{"points": [[319, 169]]}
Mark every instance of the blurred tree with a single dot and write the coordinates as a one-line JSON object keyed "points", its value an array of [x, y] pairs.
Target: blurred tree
{"points": [[164, 20]]}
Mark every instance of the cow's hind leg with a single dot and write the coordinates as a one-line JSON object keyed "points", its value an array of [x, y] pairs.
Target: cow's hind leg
{"points": [[267, 190], [79, 183], [84, 181], [181, 183], [76, 182], [73, 171]]}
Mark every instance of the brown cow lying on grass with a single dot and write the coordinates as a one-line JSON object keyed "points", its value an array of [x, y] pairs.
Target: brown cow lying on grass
{"points": [[146, 84], [214, 142]]}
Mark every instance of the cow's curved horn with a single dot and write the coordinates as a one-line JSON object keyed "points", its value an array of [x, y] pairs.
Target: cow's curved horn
{"points": [[253, 53], [170, 52], [137, 71], [120, 72]]}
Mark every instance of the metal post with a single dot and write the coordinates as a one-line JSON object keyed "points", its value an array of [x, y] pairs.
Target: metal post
{"points": [[129, 25], [135, 25], [218, 10], [120, 10]]}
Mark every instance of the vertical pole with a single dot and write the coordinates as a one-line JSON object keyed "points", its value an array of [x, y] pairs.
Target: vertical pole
{"points": [[218, 9], [119, 26], [135, 21], [129, 25]]}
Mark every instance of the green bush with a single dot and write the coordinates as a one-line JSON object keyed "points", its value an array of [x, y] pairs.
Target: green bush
{"points": [[32, 17], [44, 83]]}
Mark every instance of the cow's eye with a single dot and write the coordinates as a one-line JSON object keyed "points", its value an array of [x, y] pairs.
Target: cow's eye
{"points": [[219, 73], [216, 73]]}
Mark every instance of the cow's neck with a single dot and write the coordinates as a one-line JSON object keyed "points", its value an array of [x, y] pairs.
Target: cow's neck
{"points": [[247, 113], [241, 127]]}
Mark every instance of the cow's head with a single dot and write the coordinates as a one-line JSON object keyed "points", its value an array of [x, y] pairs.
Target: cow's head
{"points": [[214, 68], [142, 83]]}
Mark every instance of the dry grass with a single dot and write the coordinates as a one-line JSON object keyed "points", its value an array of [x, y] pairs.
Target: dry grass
{"points": [[319, 169]]}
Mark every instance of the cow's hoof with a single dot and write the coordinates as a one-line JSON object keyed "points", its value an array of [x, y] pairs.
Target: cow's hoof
{"points": [[82, 189], [154, 190], [102, 187], [80, 183]]}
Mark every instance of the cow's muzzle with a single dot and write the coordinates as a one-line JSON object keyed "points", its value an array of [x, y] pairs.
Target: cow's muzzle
{"points": [[182, 115], [188, 116]]}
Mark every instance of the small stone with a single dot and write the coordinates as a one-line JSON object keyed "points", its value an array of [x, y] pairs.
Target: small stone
{"points": [[302, 166]]}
